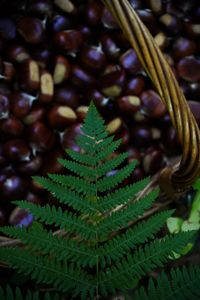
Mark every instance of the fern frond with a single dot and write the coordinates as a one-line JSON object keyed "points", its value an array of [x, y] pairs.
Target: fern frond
{"points": [[182, 284], [49, 271], [119, 246], [120, 219], [144, 260], [61, 248], [9, 294], [78, 169], [121, 196], [80, 185], [111, 164], [108, 182], [67, 196], [63, 220]]}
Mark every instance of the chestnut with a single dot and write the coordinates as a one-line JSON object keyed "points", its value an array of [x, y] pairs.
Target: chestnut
{"points": [[68, 137], [67, 95], [20, 217], [31, 29], [40, 137], [112, 83], [16, 150], [29, 75], [137, 175], [4, 106], [30, 167], [60, 116], [161, 40], [130, 62], [109, 46], [61, 69], [33, 198], [156, 6], [3, 159], [152, 106], [36, 113], [81, 112], [189, 68], [183, 47], [93, 13], [68, 40], [97, 97], [21, 104], [17, 53], [141, 136], [153, 161], [114, 125], [46, 87], [59, 23], [42, 56], [13, 188], [11, 127], [65, 5], [171, 23], [93, 58], [128, 104], [133, 154], [192, 29], [81, 78], [134, 85], [148, 19]]}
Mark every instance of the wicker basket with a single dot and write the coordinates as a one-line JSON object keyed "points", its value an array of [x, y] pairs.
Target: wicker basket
{"points": [[175, 179]]}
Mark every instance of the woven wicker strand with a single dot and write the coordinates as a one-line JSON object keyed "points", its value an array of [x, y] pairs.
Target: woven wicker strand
{"points": [[173, 180]]}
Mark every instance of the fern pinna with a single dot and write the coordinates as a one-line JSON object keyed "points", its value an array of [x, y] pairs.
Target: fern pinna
{"points": [[98, 253]]}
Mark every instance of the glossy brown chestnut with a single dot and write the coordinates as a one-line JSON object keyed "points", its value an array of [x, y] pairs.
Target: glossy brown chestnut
{"points": [[31, 29], [128, 104], [109, 46], [152, 106], [81, 78], [134, 85], [42, 56], [153, 161], [183, 47], [61, 69], [20, 217], [189, 68], [68, 40], [29, 75], [61, 116], [130, 62], [171, 23], [93, 13], [114, 125], [7, 28], [17, 53], [59, 23], [13, 187], [11, 127], [141, 136], [108, 20], [21, 104], [40, 137], [195, 108], [81, 112], [67, 95], [112, 83], [8, 71], [67, 138], [37, 113], [46, 87], [93, 58], [16, 150]]}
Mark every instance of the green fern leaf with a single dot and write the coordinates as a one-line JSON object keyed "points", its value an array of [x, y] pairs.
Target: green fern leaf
{"points": [[67, 221], [183, 284], [144, 260], [9, 294]]}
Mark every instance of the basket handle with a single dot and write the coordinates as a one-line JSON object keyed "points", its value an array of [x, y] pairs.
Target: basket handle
{"points": [[173, 180]]}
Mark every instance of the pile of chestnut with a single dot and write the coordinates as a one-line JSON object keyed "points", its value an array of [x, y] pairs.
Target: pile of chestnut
{"points": [[58, 55]]}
